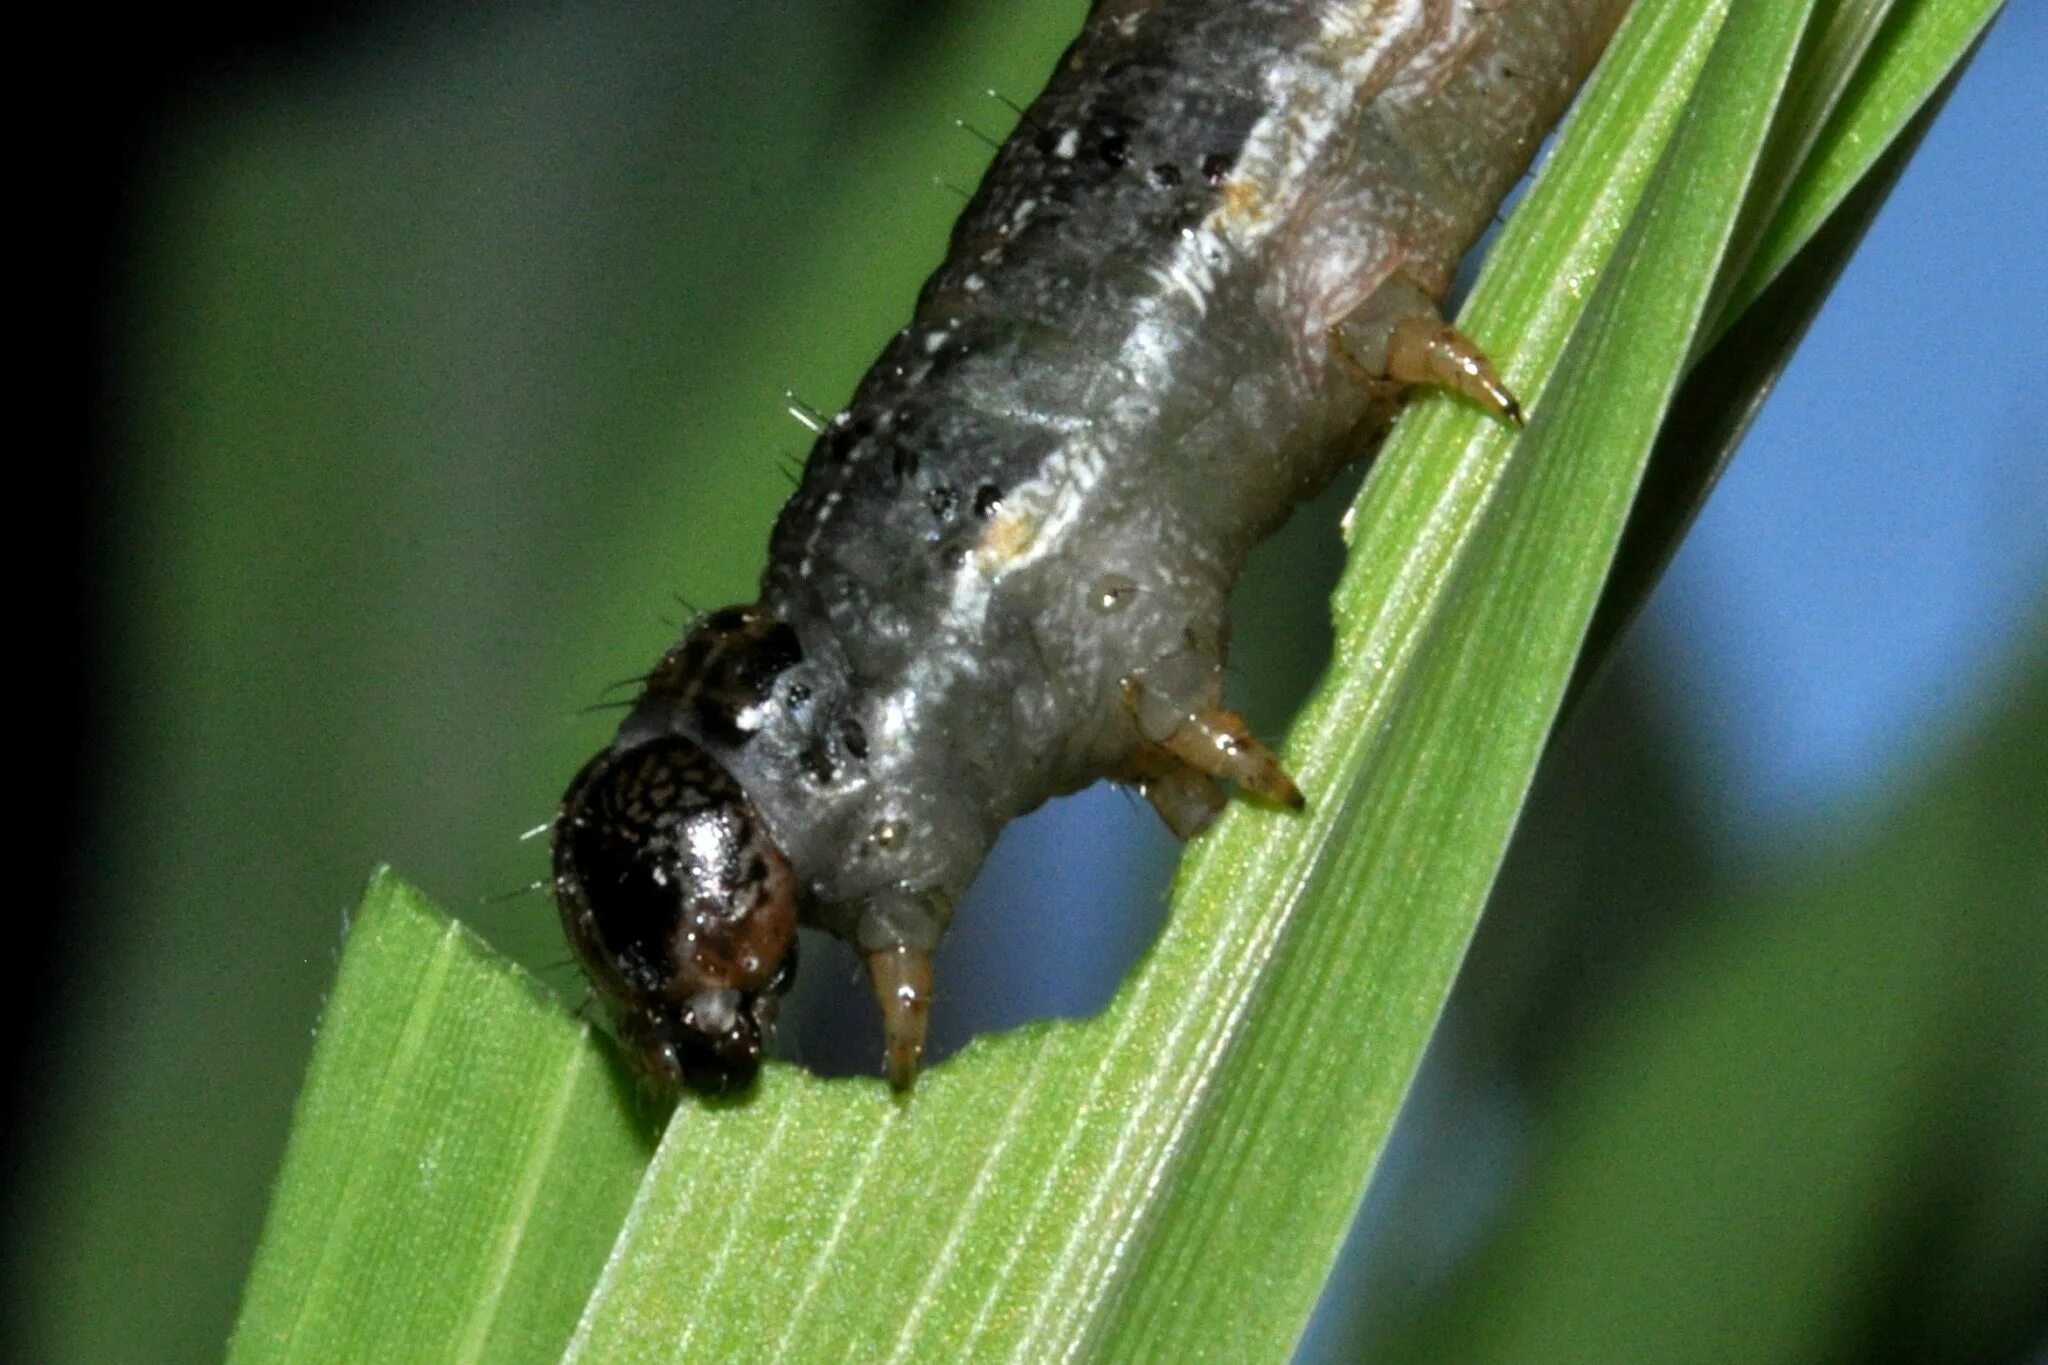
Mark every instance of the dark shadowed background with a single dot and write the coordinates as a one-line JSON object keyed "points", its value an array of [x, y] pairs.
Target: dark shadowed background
{"points": [[419, 361]]}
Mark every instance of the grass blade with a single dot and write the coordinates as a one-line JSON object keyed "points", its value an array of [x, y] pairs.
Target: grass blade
{"points": [[1396, 897], [459, 1163], [1869, 83], [1918, 45], [1172, 1179], [1812, 1132]]}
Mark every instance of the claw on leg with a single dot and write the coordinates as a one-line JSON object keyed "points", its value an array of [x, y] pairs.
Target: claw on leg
{"points": [[1197, 747], [1428, 350], [1218, 743], [902, 979], [1398, 335]]}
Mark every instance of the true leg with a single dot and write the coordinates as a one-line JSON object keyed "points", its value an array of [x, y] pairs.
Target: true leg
{"points": [[1211, 741], [1397, 335], [902, 979]]}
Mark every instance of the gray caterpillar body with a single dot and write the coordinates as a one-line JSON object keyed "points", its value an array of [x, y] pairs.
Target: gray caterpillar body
{"points": [[1193, 285]]}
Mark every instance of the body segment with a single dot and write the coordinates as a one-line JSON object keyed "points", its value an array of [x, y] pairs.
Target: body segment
{"points": [[1190, 289]]}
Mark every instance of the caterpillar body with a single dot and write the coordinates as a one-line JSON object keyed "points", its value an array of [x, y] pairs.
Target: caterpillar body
{"points": [[1194, 284]]}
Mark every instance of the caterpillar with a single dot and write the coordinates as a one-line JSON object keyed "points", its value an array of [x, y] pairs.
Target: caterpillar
{"points": [[1196, 281]]}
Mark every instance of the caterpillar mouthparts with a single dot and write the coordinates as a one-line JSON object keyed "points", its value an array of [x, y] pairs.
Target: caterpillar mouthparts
{"points": [[680, 908]]}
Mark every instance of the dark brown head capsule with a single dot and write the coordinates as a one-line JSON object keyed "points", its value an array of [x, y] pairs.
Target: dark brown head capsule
{"points": [[681, 909]]}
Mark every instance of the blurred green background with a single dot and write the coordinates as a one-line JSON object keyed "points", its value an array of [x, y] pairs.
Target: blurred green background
{"points": [[453, 360]]}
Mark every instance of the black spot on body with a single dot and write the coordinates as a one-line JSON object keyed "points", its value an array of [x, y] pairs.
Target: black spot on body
{"points": [[842, 436], [818, 766], [778, 651], [1216, 165], [717, 720], [987, 499], [1165, 175], [728, 620]]}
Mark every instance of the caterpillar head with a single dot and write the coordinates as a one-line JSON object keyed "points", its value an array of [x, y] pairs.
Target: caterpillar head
{"points": [[680, 907]]}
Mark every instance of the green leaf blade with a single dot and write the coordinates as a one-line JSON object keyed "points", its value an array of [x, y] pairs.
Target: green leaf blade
{"points": [[1174, 1178], [1893, 68], [1398, 896], [461, 1150], [1842, 1047]]}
